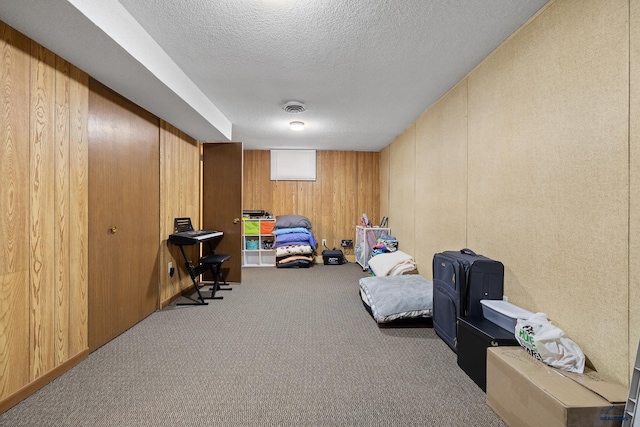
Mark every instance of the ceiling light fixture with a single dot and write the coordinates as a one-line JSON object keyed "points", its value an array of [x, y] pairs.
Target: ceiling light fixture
{"points": [[296, 125]]}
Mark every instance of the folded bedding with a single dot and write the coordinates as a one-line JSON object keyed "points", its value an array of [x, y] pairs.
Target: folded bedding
{"points": [[279, 231], [294, 242], [292, 221], [293, 258], [392, 264], [402, 268], [391, 298], [297, 249], [295, 261], [295, 239]]}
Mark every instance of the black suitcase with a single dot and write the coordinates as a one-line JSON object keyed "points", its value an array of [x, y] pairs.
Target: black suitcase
{"points": [[460, 280], [474, 337]]}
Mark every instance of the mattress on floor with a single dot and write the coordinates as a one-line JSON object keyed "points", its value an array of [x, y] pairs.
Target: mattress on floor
{"points": [[391, 298]]}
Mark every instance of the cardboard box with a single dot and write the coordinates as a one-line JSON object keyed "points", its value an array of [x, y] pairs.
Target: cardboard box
{"points": [[525, 392]]}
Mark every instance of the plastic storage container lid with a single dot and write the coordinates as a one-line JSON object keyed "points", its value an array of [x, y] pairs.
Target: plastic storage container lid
{"points": [[506, 308]]}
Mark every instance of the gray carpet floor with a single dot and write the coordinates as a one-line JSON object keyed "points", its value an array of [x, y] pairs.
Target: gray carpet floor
{"points": [[287, 347]]}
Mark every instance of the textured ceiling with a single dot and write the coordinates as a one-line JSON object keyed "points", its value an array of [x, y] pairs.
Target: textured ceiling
{"points": [[221, 69]]}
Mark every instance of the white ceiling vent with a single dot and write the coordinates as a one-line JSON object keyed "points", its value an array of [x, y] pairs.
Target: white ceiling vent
{"points": [[294, 107]]}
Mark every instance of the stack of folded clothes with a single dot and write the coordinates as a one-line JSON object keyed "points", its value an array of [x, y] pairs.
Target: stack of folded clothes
{"points": [[295, 245]]}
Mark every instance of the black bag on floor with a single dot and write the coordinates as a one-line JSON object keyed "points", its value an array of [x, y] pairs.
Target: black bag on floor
{"points": [[460, 280], [333, 257]]}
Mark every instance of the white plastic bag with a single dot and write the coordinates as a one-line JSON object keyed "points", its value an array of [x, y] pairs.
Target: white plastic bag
{"points": [[549, 344]]}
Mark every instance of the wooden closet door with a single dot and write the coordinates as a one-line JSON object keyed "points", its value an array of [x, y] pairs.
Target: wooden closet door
{"points": [[124, 214], [222, 201]]}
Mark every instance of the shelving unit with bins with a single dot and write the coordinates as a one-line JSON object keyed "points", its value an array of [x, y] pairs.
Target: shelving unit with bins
{"points": [[257, 242], [365, 238]]}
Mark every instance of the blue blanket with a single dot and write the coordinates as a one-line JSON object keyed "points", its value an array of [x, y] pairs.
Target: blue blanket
{"points": [[295, 239]]}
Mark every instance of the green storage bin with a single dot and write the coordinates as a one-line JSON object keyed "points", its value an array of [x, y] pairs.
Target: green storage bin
{"points": [[252, 228]]}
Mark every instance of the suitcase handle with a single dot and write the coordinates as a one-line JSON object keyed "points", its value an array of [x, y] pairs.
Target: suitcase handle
{"points": [[468, 252]]}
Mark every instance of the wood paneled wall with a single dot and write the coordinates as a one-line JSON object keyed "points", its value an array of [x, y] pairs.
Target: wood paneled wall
{"points": [[44, 209], [179, 197], [530, 160], [43, 192], [347, 185]]}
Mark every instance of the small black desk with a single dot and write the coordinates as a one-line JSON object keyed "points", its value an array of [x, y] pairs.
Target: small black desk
{"points": [[475, 335]]}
